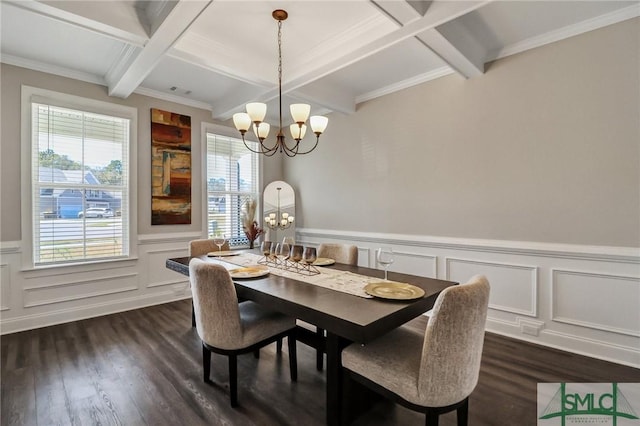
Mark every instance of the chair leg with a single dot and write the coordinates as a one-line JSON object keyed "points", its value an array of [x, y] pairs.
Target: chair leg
{"points": [[279, 346], [233, 379], [193, 315], [293, 357], [319, 353], [432, 418], [206, 364], [463, 413]]}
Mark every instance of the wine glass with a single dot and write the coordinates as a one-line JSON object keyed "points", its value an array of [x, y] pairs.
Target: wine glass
{"points": [[309, 255], [384, 256], [219, 240], [266, 248], [296, 254], [283, 250]]}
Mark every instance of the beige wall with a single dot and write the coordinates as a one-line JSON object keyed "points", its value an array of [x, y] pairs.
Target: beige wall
{"points": [[544, 147], [13, 77]]}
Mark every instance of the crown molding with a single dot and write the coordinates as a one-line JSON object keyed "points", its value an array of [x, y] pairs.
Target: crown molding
{"points": [[405, 84], [601, 21], [52, 69]]}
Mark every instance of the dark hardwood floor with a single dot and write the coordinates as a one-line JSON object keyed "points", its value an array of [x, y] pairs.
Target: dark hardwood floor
{"points": [[143, 367]]}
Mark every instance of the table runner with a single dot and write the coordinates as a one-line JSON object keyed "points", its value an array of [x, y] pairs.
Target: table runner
{"points": [[344, 281]]}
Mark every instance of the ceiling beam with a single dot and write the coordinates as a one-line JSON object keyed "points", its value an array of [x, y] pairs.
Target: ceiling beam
{"points": [[124, 77], [460, 51], [108, 23], [438, 13]]}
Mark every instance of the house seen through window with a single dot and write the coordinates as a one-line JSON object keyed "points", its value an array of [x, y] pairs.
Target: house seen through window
{"points": [[80, 193]]}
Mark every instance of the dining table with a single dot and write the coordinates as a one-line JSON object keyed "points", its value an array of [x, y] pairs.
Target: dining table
{"points": [[346, 318]]}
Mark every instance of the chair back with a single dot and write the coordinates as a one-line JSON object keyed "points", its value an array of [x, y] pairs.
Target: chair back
{"points": [[341, 253], [204, 246], [215, 305], [453, 343]]}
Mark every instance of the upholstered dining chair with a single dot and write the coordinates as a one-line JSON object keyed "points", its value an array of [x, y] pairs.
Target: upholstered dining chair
{"points": [[341, 253], [230, 328], [434, 372], [204, 246], [200, 248]]}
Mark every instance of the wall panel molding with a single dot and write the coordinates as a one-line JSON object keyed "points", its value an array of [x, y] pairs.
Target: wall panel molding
{"points": [[157, 273], [82, 289], [5, 287], [500, 284], [364, 253], [431, 260], [592, 294]]}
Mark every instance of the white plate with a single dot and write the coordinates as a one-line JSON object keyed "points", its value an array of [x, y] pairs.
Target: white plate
{"points": [[323, 261], [251, 271], [223, 253]]}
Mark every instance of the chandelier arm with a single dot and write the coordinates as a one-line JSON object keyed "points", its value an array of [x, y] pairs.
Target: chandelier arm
{"points": [[314, 147], [263, 149]]}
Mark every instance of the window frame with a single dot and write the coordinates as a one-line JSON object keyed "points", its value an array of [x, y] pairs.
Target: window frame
{"points": [[30, 95], [230, 133]]}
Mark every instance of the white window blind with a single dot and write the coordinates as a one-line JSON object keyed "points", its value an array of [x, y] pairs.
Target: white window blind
{"points": [[232, 180], [80, 178]]}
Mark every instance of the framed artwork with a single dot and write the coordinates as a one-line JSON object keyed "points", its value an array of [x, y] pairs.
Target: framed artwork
{"points": [[170, 168]]}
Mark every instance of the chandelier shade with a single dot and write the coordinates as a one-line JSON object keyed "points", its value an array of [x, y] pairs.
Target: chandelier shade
{"points": [[256, 112]]}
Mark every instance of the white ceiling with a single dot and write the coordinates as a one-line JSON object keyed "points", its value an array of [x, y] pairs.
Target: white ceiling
{"points": [[222, 54]]}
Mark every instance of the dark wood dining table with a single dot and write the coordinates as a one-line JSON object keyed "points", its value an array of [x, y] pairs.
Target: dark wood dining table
{"points": [[345, 317]]}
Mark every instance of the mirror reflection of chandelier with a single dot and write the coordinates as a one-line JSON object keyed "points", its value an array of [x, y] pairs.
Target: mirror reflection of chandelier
{"points": [[278, 220], [256, 112]]}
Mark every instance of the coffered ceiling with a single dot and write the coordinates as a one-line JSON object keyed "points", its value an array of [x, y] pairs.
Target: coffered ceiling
{"points": [[222, 54]]}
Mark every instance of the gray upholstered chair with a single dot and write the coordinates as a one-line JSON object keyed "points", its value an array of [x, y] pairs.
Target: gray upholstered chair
{"points": [[204, 246], [341, 253], [434, 372], [201, 248], [231, 328]]}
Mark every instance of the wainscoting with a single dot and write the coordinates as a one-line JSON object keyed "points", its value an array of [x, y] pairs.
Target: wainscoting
{"points": [[38, 298], [581, 299]]}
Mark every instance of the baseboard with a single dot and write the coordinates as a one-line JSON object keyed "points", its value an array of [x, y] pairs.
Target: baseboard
{"points": [[29, 322]]}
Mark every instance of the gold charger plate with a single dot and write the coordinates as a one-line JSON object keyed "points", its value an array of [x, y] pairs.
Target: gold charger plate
{"points": [[393, 290], [223, 253], [323, 261], [252, 271]]}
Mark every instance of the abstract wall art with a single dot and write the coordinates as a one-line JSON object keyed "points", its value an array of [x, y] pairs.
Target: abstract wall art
{"points": [[170, 168]]}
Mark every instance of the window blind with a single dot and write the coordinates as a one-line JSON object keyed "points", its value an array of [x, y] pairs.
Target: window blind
{"points": [[232, 181], [80, 178]]}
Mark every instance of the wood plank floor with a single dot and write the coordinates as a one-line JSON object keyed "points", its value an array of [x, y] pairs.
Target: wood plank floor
{"points": [[143, 367]]}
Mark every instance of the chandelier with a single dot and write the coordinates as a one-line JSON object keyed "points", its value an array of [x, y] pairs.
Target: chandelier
{"points": [[256, 112], [284, 219]]}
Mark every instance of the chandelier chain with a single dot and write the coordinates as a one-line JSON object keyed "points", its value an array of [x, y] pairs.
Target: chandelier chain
{"points": [[280, 71]]}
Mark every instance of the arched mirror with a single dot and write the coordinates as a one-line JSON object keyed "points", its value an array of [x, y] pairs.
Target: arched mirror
{"points": [[279, 206]]}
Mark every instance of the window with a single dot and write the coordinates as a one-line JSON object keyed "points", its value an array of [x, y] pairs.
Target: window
{"points": [[79, 179], [232, 180]]}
